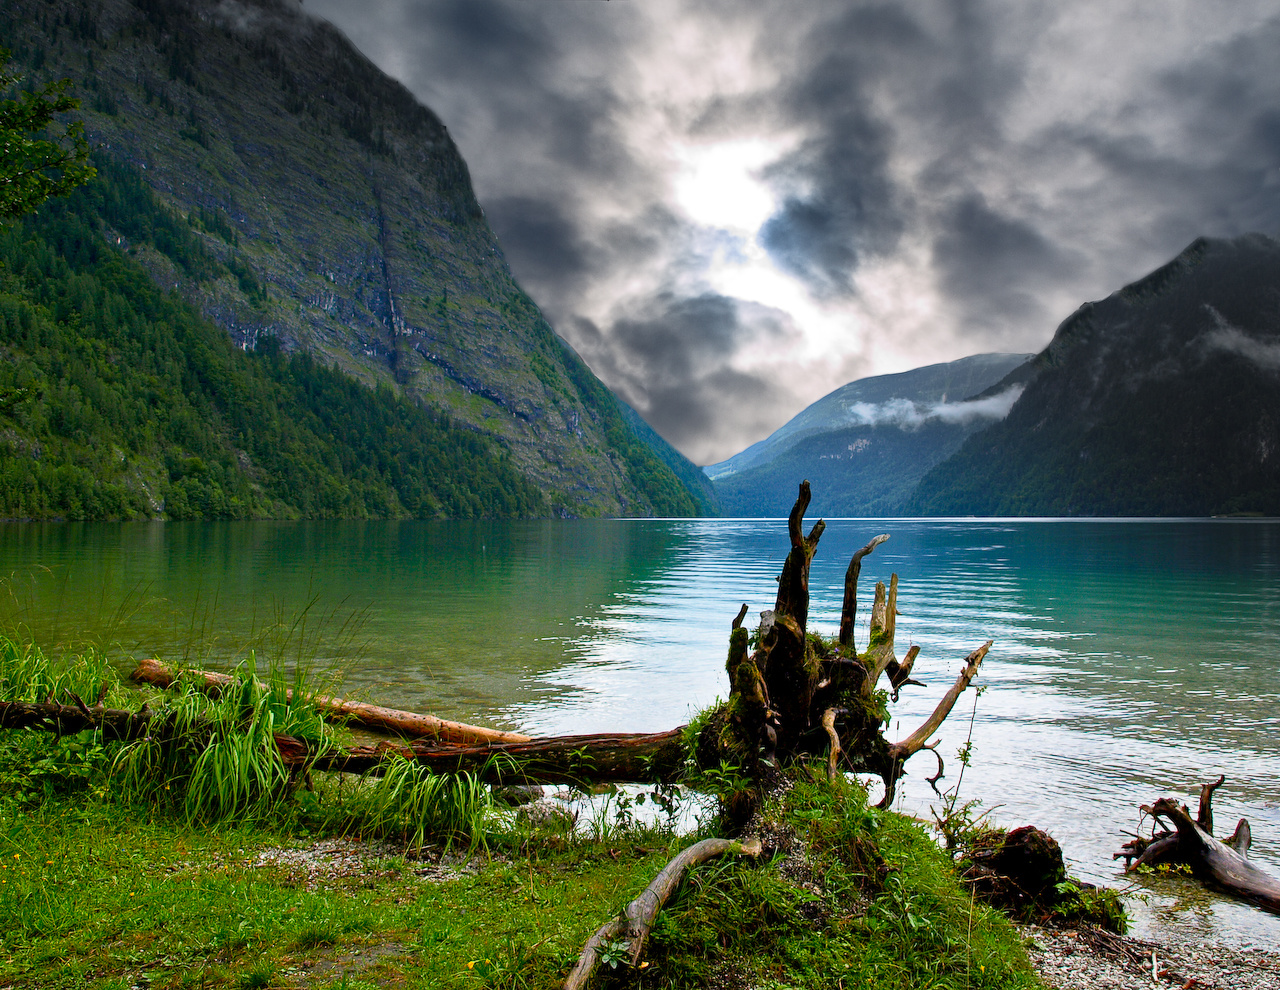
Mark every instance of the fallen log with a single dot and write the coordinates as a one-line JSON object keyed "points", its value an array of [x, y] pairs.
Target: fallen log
{"points": [[637, 918], [375, 718], [582, 759], [1221, 864], [69, 720]]}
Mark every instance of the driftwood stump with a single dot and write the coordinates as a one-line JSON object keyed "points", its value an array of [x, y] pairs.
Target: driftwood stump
{"points": [[796, 695]]}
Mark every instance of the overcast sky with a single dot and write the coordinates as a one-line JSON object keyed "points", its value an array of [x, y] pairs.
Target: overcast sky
{"points": [[730, 208]]}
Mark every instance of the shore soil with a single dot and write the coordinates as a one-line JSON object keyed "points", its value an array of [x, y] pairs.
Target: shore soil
{"points": [[1089, 958]]}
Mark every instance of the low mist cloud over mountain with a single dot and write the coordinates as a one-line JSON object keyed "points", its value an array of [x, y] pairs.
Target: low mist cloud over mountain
{"points": [[1161, 399], [867, 444]]}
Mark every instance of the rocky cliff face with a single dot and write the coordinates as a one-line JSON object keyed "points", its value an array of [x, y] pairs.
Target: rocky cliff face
{"points": [[1162, 399], [347, 218]]}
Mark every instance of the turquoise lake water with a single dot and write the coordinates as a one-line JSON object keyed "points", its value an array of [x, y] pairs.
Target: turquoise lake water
{"points": [[1131, 659]]}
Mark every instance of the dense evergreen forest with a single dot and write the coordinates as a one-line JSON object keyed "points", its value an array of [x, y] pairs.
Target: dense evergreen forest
{"points": [[118, 401]]}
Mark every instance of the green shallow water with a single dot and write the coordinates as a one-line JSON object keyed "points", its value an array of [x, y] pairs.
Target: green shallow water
{"points": [[1131, 658]]}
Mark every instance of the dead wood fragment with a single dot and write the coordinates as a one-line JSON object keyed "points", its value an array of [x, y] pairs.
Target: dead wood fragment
{"points": [[638, 917], [850, 608], [1204, 813], [1221, 864], [373, 717], [833, 754], [1241, 839], [900, 673]]}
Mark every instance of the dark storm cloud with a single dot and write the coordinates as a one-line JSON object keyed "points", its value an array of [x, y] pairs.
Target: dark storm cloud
{"points": [[512, 58], [1229, 96], [861, 73], [540, 239], [849, 205], [994, 263], [669, 362]]}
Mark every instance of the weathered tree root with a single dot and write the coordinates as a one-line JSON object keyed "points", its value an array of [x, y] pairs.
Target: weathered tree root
{"points": [[797, 696], [638, 917], [1219, 863], [373, 717]]}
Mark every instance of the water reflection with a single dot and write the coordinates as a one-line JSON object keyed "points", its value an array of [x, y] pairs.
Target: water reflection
{"points": [[1131, 659]]}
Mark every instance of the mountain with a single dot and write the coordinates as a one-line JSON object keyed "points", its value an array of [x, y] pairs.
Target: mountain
{"points": [[1161, 400], [866, 445], [333, 214]]}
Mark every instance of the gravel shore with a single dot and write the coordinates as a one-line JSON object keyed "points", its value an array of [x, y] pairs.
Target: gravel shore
{"points": [[1090, 959]]}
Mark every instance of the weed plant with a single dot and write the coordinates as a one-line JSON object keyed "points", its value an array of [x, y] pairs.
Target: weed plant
{"points": [[36, 766], [28, 674], [217, 758], [213, 760], [409, 804]]}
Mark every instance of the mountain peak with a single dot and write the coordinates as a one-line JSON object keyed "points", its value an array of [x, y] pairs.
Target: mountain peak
{"points": [[866, 444], [1162, 399]]}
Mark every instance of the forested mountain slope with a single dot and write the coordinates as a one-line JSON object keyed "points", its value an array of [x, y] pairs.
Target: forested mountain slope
{"points": [[332, 213], [118, 400], [1163, 399]]}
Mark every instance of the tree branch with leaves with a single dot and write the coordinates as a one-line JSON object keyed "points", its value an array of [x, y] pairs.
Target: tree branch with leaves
{"points": [[40, 156]]}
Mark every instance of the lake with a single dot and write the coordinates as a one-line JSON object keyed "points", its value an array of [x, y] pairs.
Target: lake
{"points": [[1132, 659]]}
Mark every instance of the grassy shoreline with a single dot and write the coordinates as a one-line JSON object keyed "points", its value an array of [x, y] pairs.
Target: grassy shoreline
{"points": [[109, 882], [92, 897]]}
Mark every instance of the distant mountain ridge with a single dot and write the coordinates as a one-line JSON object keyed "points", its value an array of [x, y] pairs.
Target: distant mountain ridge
{"points": [[335, 215], [1162, 399], [865, 445]]}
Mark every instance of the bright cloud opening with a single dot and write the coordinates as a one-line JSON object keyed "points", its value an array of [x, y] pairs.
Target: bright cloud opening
{"points": [[718, 185]]}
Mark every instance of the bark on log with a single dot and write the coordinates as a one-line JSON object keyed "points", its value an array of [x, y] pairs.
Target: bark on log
{"points": [[390, 721], [638, 917], [586, 759], [68, 720], [1217, 863]]}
